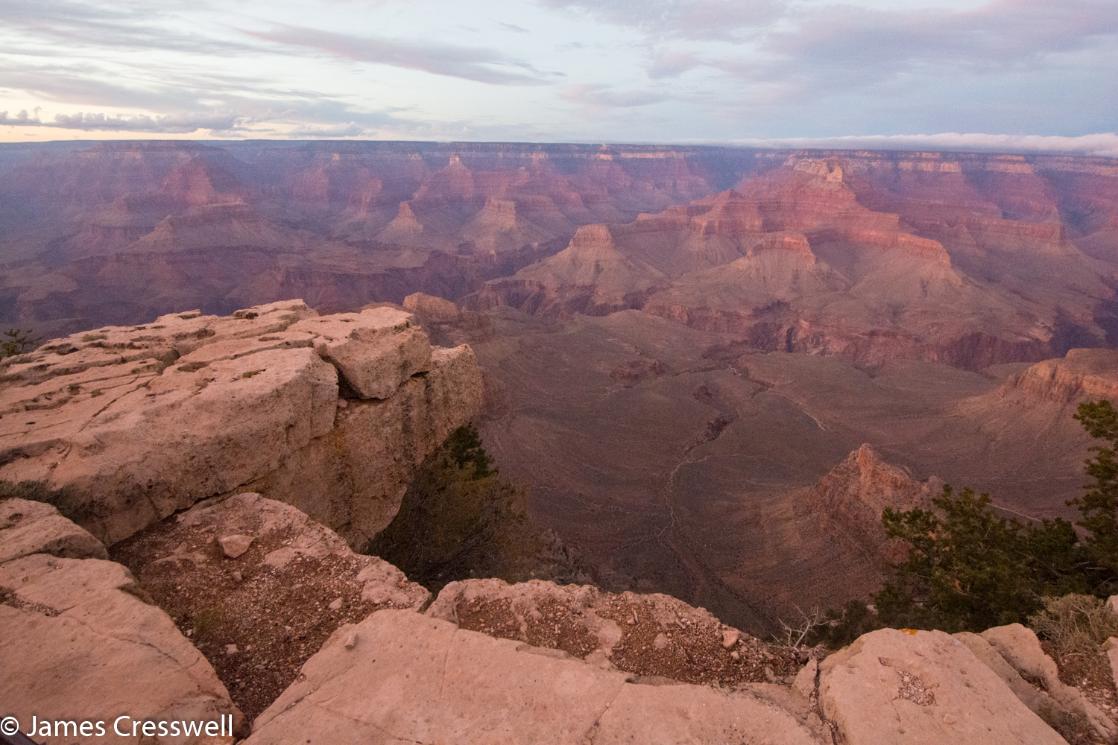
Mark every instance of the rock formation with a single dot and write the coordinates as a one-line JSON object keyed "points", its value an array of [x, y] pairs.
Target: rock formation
{"points": [[1080, 375], [854, 494], [80, 640], [645, 634], [129, 424], [923, 688], [488, 662]]}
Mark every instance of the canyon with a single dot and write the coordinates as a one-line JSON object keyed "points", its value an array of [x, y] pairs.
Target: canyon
{"points": [[141, 573], [709, 366]]}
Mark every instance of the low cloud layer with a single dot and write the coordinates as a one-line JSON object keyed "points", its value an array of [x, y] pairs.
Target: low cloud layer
{"points": [[100, 122], [1104, 144]]}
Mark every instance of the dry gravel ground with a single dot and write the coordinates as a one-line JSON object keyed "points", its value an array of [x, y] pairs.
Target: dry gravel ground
{"points": [[256, 624], [684, 649]]}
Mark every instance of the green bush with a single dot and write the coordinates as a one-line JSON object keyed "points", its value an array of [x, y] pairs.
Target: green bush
{"points": [[460, 519], [17, 341], [967, 567]]}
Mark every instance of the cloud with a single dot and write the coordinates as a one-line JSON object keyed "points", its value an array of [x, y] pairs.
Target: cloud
{"points": [[23, 119], [602, 96], [670, 63], [124, 24], [167, 123], [245, 101], [334, 132], [186, 123], [844, 45], [685, 19], [1104, 144], [471, 63]]}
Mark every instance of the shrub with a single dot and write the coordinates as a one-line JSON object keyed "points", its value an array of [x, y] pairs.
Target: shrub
{"points": [[967, 567], [1075, 625], [17, 341], [470, 523]]}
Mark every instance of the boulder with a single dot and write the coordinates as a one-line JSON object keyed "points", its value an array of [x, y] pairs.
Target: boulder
{"points": [[29, 527], [79, 640], [290, 584], [907, 687], [375, 350], [1038, 701], [1020, 647], [401, 677], [235, 545]]}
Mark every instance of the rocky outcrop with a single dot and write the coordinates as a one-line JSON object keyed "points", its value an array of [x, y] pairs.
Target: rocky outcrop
{"points": [[1080, 375], [922, 688], [398, 676], [317, 641], [854, 494], [259, 587], [81, 640], [1021, 649], [431, 308], [129, 424]]}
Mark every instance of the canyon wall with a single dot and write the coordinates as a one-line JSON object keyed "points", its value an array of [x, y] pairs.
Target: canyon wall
{"points": [[968, 259]]}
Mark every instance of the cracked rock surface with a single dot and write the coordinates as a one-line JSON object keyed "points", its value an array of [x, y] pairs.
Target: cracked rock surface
{"points": [[129, 424], [922, 688], [78, 636], [401, 677]]}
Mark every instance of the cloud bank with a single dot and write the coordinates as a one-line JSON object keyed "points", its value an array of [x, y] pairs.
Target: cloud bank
{"points": [[1102, 144]]}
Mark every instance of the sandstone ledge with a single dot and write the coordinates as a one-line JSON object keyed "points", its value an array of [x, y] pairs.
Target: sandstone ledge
{"points": [[651, 635], [130, 424]]}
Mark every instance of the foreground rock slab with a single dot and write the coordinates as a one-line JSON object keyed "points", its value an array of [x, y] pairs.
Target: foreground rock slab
{"points": [[907, 687], [29, 527], [401, 677], [259, 611], [78, 640]]}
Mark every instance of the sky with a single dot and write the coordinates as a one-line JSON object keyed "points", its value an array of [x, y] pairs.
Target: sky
{"points": [[991, 74]]}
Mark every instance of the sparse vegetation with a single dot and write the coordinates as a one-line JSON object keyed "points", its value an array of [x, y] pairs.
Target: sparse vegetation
{"points": [[968, 568], [17, 341], [1076, 626], [802, 631], [472, 523]]}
